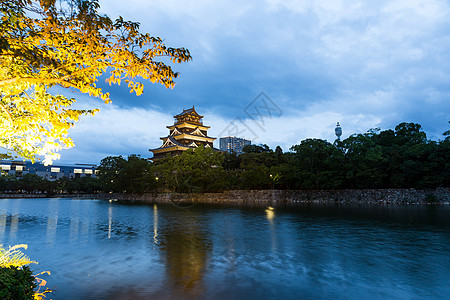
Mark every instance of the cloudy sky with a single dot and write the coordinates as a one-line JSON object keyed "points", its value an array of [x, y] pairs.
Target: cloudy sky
{"points": [[304, 64]]}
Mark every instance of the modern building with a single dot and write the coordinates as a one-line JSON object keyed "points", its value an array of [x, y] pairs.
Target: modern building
{"points": [[187, 132], [53, 172], [233, 144]]}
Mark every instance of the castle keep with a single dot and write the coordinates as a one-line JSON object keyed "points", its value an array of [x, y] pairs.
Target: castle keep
{"points": [[187, 132]]}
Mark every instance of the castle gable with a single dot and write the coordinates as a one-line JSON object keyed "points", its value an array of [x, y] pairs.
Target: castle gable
{"points": [[197, 131]]}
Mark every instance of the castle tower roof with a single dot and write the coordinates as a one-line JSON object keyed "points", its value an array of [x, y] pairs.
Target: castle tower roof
{"points": [[190, 111]]}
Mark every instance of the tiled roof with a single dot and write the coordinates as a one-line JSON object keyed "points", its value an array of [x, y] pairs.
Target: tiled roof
{"points": [[200, 136], [188, 111], [190, 133]]}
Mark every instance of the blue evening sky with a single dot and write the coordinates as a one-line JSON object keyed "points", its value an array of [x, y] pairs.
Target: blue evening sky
{"points": [[364, 64]]}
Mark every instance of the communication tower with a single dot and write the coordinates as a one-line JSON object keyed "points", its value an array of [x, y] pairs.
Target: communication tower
{"points": [[338, 131]]}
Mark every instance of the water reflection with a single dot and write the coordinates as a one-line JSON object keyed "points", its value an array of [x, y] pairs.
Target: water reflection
{"points": [[155, 224], [186, 247], [211, 252], [109, 220], [2, 223], [270, 215], [52, 220], [74, 220], [14, 226]]}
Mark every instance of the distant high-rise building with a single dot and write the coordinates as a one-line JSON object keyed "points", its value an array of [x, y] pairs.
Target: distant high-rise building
{"points": [[233, 144], [338, 131]]}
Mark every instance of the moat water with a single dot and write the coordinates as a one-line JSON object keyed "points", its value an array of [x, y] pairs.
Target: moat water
{"points": [[100, 250]]}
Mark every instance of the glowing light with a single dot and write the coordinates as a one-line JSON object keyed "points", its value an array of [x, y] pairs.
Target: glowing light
{"points": [[270, 213]]}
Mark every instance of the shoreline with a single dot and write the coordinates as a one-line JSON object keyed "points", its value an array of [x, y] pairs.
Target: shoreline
{"points": [[288, 197], [439, 196]]}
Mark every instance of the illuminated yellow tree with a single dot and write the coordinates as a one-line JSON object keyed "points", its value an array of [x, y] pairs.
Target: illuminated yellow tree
{"points": [[68, 44]]}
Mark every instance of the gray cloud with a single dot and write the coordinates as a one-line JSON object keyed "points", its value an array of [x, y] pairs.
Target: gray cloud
{"points": [[363, 63]]}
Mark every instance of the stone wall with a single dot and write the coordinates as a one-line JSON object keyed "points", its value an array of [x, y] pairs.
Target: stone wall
{"points": [[281, 197], [11, 195], [14, 195], [274, 197]]}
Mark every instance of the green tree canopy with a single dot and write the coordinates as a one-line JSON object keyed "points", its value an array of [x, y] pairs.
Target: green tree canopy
{"points": [[256, 148], [198, 170], [316, 164]]}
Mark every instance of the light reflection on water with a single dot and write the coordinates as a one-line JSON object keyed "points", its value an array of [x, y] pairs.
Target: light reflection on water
{"points": [[155, 224], [101, 250]]}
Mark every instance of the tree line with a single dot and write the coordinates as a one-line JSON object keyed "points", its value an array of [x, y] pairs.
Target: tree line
{"points": [[34, 184], [399, 158]]}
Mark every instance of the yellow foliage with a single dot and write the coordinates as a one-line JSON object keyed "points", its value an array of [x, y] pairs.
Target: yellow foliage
{"points": [[68, 44], [38, 295], [13, 257]]}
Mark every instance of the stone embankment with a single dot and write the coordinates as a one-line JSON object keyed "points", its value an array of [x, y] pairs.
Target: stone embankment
{"points": [[282, 197], [15, 196]]}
